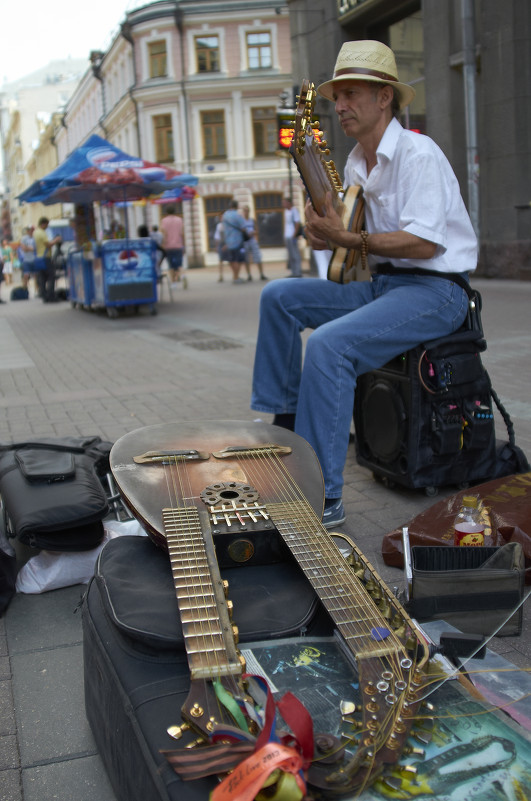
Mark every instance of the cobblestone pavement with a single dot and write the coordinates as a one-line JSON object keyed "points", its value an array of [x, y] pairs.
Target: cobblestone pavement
{"points": [[71, 371]]}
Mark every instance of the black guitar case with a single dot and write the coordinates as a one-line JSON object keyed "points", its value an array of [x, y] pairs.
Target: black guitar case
{"points": [[135, 667]]}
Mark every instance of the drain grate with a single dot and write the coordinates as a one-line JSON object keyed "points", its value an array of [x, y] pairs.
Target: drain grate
{"points": [[202, 340]]}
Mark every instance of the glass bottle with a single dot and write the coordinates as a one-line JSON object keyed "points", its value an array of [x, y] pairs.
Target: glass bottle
{"points": [[468, 526]]}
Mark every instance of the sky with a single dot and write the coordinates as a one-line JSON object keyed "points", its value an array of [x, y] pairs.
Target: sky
{"points": [[36, 32]]}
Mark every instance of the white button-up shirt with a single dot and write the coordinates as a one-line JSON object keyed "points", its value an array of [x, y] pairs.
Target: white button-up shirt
{"points": [[413, 188]]}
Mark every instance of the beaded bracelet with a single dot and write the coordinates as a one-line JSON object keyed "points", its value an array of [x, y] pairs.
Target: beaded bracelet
{"points": [[364, 248]]}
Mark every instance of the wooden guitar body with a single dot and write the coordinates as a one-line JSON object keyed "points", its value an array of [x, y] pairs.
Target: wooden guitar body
{"points": [[321, 177], [189, 481], [145, 488]]}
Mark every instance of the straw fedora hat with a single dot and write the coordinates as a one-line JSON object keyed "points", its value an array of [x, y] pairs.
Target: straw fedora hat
{"points": [[367, 60]]}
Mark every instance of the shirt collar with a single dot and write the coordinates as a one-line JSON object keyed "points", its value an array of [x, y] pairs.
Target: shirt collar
{"points": [[386, 148]]}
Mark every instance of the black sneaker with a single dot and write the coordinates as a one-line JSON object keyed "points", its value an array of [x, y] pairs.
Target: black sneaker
{"points": [[334, 513]]}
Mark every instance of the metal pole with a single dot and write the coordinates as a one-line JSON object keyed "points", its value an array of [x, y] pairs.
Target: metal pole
{"points": [[469, 79]]}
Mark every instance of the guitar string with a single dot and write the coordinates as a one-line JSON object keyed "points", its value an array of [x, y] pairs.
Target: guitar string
{"points": [[269, 468], [180, 489], [289, 493]]}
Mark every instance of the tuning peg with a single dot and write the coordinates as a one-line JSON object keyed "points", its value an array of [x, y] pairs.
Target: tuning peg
{"points": [[356, 565], [225, 585], [412, 750], [422, 736], [347, 707], [195, 743], [394, 783], [354, 724], [385, 608], [176, 732], [236, 634]]}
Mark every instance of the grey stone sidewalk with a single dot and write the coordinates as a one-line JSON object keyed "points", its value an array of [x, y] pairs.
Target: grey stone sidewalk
{"points": [[67, 371]]}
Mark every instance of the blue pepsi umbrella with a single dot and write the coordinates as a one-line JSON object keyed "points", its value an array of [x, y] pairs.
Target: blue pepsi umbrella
{"points": [[99, 171]]}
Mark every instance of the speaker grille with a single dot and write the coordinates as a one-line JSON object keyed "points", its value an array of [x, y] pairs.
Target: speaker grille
{"points": [[383, 421]]}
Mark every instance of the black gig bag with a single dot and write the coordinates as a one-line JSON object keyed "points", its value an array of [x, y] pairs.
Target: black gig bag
{"points": [[135, 666], [52, 492]]}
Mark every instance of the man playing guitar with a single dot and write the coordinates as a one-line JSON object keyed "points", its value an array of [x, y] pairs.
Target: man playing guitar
{"points": [[418, 238]]}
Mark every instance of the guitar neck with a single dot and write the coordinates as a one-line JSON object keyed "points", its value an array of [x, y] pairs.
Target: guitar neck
{"points": [[207, 629], [355, 613], [319, 176]]}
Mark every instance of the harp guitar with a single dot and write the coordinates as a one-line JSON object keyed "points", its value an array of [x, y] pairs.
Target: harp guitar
{"points": [[320, 177], [186, 482]]}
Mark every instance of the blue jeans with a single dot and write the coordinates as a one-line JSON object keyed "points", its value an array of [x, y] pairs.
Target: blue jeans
{"points": [[358, 327]]}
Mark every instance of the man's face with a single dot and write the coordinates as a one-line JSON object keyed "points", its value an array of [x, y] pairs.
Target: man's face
{"points": [[358, 106]]}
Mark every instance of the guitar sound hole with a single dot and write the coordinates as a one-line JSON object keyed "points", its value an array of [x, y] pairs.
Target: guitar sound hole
{"points": [[230, 492]]}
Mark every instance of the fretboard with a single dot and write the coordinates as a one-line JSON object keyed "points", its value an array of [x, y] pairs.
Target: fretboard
{"points": [[206, 625], [357, 617]]}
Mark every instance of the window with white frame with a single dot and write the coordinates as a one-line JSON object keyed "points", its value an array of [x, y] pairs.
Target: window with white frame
{"points": [[265, 131], [259, 50], [207, 53], [163, 138], [157, 58], [213, 133]]}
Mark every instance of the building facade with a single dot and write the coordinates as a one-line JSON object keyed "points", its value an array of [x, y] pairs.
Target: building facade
{"points": [[196, 85], [26, 110], [470, 63]]}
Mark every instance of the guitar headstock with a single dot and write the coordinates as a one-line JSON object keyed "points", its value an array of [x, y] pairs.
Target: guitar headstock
{"points": [[391, 688], [303, 116], [309, 149], [206, 710]]}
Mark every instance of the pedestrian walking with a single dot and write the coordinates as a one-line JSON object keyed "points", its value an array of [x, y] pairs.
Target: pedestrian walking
{"points": [[172, 228], [43, 263], [292, 230], [233, 228], [253, 254], [219, 244], [7, 262]]}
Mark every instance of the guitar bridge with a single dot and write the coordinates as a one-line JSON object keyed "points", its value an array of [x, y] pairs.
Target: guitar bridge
{"points": [[267, 449], [171, 457]]}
